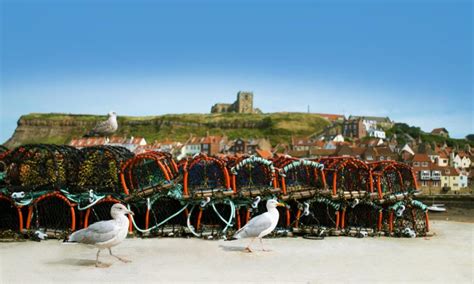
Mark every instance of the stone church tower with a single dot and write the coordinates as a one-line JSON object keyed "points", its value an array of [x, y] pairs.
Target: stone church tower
{"points": [[243, 104]]}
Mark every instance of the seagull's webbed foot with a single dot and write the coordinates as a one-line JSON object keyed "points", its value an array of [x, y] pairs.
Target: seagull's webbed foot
{"points": [[102, 264], [118, 257], [247, 249], [123, 259]]}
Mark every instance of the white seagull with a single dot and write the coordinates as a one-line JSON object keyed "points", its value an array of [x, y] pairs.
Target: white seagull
{"points": [[105, 127], [261, 225], [105, 234]]}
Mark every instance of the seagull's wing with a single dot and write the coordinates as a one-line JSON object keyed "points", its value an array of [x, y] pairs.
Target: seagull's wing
{"points": [[254, 227], [96, 233], [102, 126]]}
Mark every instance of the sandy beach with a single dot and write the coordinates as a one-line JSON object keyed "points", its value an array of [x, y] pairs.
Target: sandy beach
{"points": [[445, 257]]}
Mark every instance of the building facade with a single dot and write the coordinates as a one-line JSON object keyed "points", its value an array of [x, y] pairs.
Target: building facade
{"points": [[243, 104]]}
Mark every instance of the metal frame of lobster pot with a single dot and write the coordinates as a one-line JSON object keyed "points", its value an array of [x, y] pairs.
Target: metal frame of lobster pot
{"points": [[162, 216], [361, 216], [146, 173], [348, 178], [408, 218], [393, 181], [53, 214], [205, 176], [11, 217], [317, 216], [100, 211], [211, 218], [147, 179], [301, 178], [208, 193], [254, 181]]}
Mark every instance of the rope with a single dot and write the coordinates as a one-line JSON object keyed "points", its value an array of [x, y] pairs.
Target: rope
{"points": [[160, 224], [188, 222], [231, 217]]}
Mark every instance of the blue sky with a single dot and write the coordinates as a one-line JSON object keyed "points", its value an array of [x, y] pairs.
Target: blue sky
{"points": [[409, 60]]}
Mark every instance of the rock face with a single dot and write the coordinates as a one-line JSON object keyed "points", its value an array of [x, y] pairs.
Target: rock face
{"points": [[61, 128]]}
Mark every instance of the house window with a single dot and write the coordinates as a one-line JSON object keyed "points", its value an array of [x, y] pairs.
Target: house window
{"points": [[416, 164], [424, 164]]}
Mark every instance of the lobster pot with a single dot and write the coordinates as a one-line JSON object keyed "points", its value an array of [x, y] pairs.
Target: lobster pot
{"points": [[347, 175], [413, 218], [11, 217], [41, 166], [362, 216], [52, 213], [167, 215], [205, 174], [390, 177], [168, 161], [321, 216], [299, 177], [252, 175], [145, 172], [100, 168], [206, 221]]}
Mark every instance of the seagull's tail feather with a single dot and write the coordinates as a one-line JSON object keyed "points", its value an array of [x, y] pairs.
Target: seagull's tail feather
{"points": [[241, 233], [232, 239], [73, 238]]}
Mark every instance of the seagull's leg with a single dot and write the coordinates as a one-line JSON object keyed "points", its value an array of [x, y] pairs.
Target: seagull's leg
{"points": [[118, 257], [247, 249], [261, 242], [98, 263]]}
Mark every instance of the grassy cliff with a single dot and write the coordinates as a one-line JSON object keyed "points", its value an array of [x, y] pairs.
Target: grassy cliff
{"points": [[60, 128]]}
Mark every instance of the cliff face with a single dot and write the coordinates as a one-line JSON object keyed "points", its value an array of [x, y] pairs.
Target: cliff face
{"points": [[61, 128]]}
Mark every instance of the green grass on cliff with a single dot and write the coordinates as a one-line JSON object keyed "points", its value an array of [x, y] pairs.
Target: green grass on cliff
{"points": [[278, 127]]}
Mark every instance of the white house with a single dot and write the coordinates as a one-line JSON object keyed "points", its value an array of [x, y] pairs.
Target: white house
{"points": [[442, 159], [338, 138], [372, 132], [190, 148], [460, 161]]}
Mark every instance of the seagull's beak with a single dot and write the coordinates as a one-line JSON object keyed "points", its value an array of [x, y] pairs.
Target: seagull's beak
{"points": [[130, 212], [281, 204]]}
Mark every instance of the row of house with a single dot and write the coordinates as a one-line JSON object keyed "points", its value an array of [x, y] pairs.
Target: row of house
{"points": [[209, 144]]}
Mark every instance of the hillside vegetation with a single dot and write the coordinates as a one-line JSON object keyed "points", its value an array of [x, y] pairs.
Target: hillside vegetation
{"points": [[60, 128], [400, 129]]}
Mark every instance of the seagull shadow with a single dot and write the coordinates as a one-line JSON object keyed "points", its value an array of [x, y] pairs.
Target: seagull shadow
{"points": [[232, 248], [74, 262]]}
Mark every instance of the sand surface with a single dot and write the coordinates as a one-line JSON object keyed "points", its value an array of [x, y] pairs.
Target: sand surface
{"points": [[446, 257]]}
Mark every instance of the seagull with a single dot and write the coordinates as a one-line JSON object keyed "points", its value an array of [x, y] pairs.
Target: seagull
{"points": [[105, 234], [261, 225], [106, 127]]}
